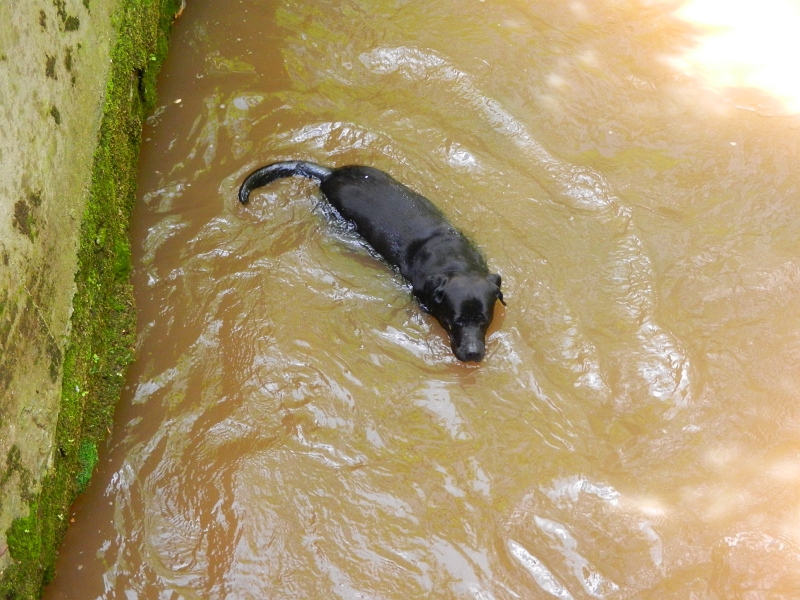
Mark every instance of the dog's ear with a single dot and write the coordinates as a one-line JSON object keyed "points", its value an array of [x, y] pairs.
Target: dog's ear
{"points": [[434, 287], [497, 281]]}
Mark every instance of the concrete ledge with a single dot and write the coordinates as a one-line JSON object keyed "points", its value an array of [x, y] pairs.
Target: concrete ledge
{"points": [[77, 78]]}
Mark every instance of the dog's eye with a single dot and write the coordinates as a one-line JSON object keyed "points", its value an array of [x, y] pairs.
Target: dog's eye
{"points": [[464, 321]]}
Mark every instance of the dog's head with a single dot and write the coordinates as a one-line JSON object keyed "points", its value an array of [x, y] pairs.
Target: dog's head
{"points": [[464, 305]]}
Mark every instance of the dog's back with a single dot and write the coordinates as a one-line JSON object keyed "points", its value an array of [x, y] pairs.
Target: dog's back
{"points": [[396, 221]]}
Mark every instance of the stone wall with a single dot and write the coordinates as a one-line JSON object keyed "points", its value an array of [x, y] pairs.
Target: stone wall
{"points": [[77, 78]]}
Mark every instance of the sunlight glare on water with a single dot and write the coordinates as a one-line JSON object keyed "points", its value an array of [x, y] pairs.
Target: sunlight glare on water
{"points": [[746, 44], [296, 427]]}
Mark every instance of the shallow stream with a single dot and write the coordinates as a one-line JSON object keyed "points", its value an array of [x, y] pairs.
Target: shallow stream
{"points": [[295, 427]]}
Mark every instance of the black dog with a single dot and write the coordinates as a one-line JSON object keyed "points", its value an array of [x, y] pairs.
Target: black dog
{"points": [[447, 273]]}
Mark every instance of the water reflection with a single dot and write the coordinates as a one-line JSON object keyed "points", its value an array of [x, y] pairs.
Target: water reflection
{"points": [[296, 427], [747, 45]]}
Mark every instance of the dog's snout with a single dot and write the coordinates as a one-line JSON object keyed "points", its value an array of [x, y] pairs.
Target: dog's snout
{"points": [[471, 352], [474, 356]]}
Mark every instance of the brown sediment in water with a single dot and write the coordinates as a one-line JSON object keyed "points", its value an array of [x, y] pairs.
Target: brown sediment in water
{"points": [[295, 426]]}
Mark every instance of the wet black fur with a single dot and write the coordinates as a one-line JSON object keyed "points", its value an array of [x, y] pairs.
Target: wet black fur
{"points": [[447, 273]]}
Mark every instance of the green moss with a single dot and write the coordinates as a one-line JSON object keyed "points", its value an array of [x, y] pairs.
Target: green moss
{"points": [[88, 458], [55, 355], [72, 24], [23, 538], [122, 267], [14, 466], [54, 112], [61, 8], [23, 219], [50, 67], [103, 319]]}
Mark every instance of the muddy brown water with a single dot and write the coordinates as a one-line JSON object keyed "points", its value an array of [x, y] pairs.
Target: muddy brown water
{"points": [[295, 427]]}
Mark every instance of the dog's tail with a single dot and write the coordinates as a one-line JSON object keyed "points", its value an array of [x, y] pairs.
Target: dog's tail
{"points": [[277, 170]]}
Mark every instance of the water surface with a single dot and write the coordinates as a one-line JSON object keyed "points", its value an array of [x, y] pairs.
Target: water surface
{"points": [[295, 427]]}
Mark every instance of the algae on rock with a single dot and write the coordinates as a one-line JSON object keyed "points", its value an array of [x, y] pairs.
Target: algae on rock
{"points": [[77, 79]]}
